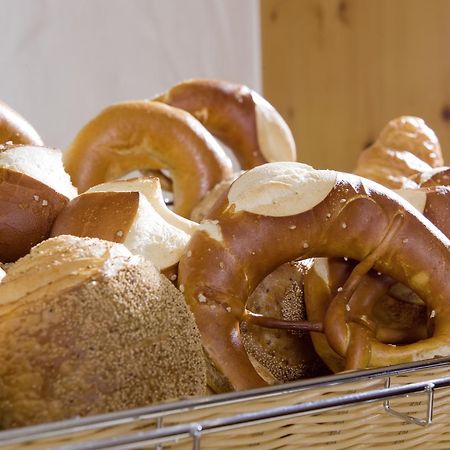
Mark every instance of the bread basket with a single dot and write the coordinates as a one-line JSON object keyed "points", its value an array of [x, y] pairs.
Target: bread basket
{"points": [[393, 407]]}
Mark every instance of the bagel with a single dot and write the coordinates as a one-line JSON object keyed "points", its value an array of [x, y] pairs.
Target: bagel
{"points": [[34, 188], [280, 212], [87, 328], [15, 129], [247, 123], [145, 135]]}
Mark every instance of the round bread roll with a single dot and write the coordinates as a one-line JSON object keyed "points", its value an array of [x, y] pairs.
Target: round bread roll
{"points": [[131, 212], [15, 129], [281, 355], [34, 188], [86, 328]]}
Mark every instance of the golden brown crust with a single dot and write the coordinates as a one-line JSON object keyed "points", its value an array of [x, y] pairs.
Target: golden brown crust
{"points": [[358, 219], [405, 148], [28, 209], [14, 128], [228, 111], [117, 338], [144, 135], [104, 215]]}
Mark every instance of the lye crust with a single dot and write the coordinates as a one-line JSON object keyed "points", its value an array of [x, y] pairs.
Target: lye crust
{"points": [[131, 212], [93, 330], [29, 209], [247, 123], [14, 128]]}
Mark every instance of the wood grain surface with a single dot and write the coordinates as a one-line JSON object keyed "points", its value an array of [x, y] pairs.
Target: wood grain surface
{"points": [[338, 70]]}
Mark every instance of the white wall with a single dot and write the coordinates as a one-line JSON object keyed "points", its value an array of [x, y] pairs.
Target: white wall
{"points": [[62, 61]]}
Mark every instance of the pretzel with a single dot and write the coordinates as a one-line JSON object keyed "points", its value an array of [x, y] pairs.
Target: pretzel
{"points": [[15, 129], [144, 135], [405, 148], [239, 117], [279, 212], [439, 176]]}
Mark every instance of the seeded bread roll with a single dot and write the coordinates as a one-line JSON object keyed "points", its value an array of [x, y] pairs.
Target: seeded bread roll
{"points": [[87, 328], [281, 355]]}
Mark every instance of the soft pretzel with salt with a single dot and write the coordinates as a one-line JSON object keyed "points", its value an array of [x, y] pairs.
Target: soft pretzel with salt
{"points": [[280, 212], [144, 135], [246, 122], [15, 129]]}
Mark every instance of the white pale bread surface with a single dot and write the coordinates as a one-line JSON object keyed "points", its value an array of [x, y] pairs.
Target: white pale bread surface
{"points": [[41, 163], [281, 189], [2, 274], [415, 197], [274, 136], [157, 233]]}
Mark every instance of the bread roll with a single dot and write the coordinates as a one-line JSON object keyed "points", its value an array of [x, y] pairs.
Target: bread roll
{"points": [[131, 212], [34, 188], [87, 328]]}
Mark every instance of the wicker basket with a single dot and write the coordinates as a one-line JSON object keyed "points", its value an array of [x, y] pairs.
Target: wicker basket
{"points": [[399, 407]]}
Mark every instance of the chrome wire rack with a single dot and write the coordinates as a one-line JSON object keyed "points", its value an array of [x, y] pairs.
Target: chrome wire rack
{"points": [[154, 426]]}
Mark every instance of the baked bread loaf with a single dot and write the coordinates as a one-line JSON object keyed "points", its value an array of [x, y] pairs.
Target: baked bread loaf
{"points": [[34, 188], [15, 129], [86, 328]]}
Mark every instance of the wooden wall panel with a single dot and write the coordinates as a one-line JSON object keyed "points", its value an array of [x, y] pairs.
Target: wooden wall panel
{"points": [[338, 70]]}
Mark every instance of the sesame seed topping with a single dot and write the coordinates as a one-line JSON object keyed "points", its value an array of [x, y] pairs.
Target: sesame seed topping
{"points": [[221, 265], [228, 308], [328, 215], [189, 254], [345, 258], [433, 314], [343, 200], [305, 245], [292, 227], [36, 198], [119, 233], [344, 225], [44, 202], [405, 241], [173, 277], [347, 307], [340, 289], [201, 298], [181, 288]]}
